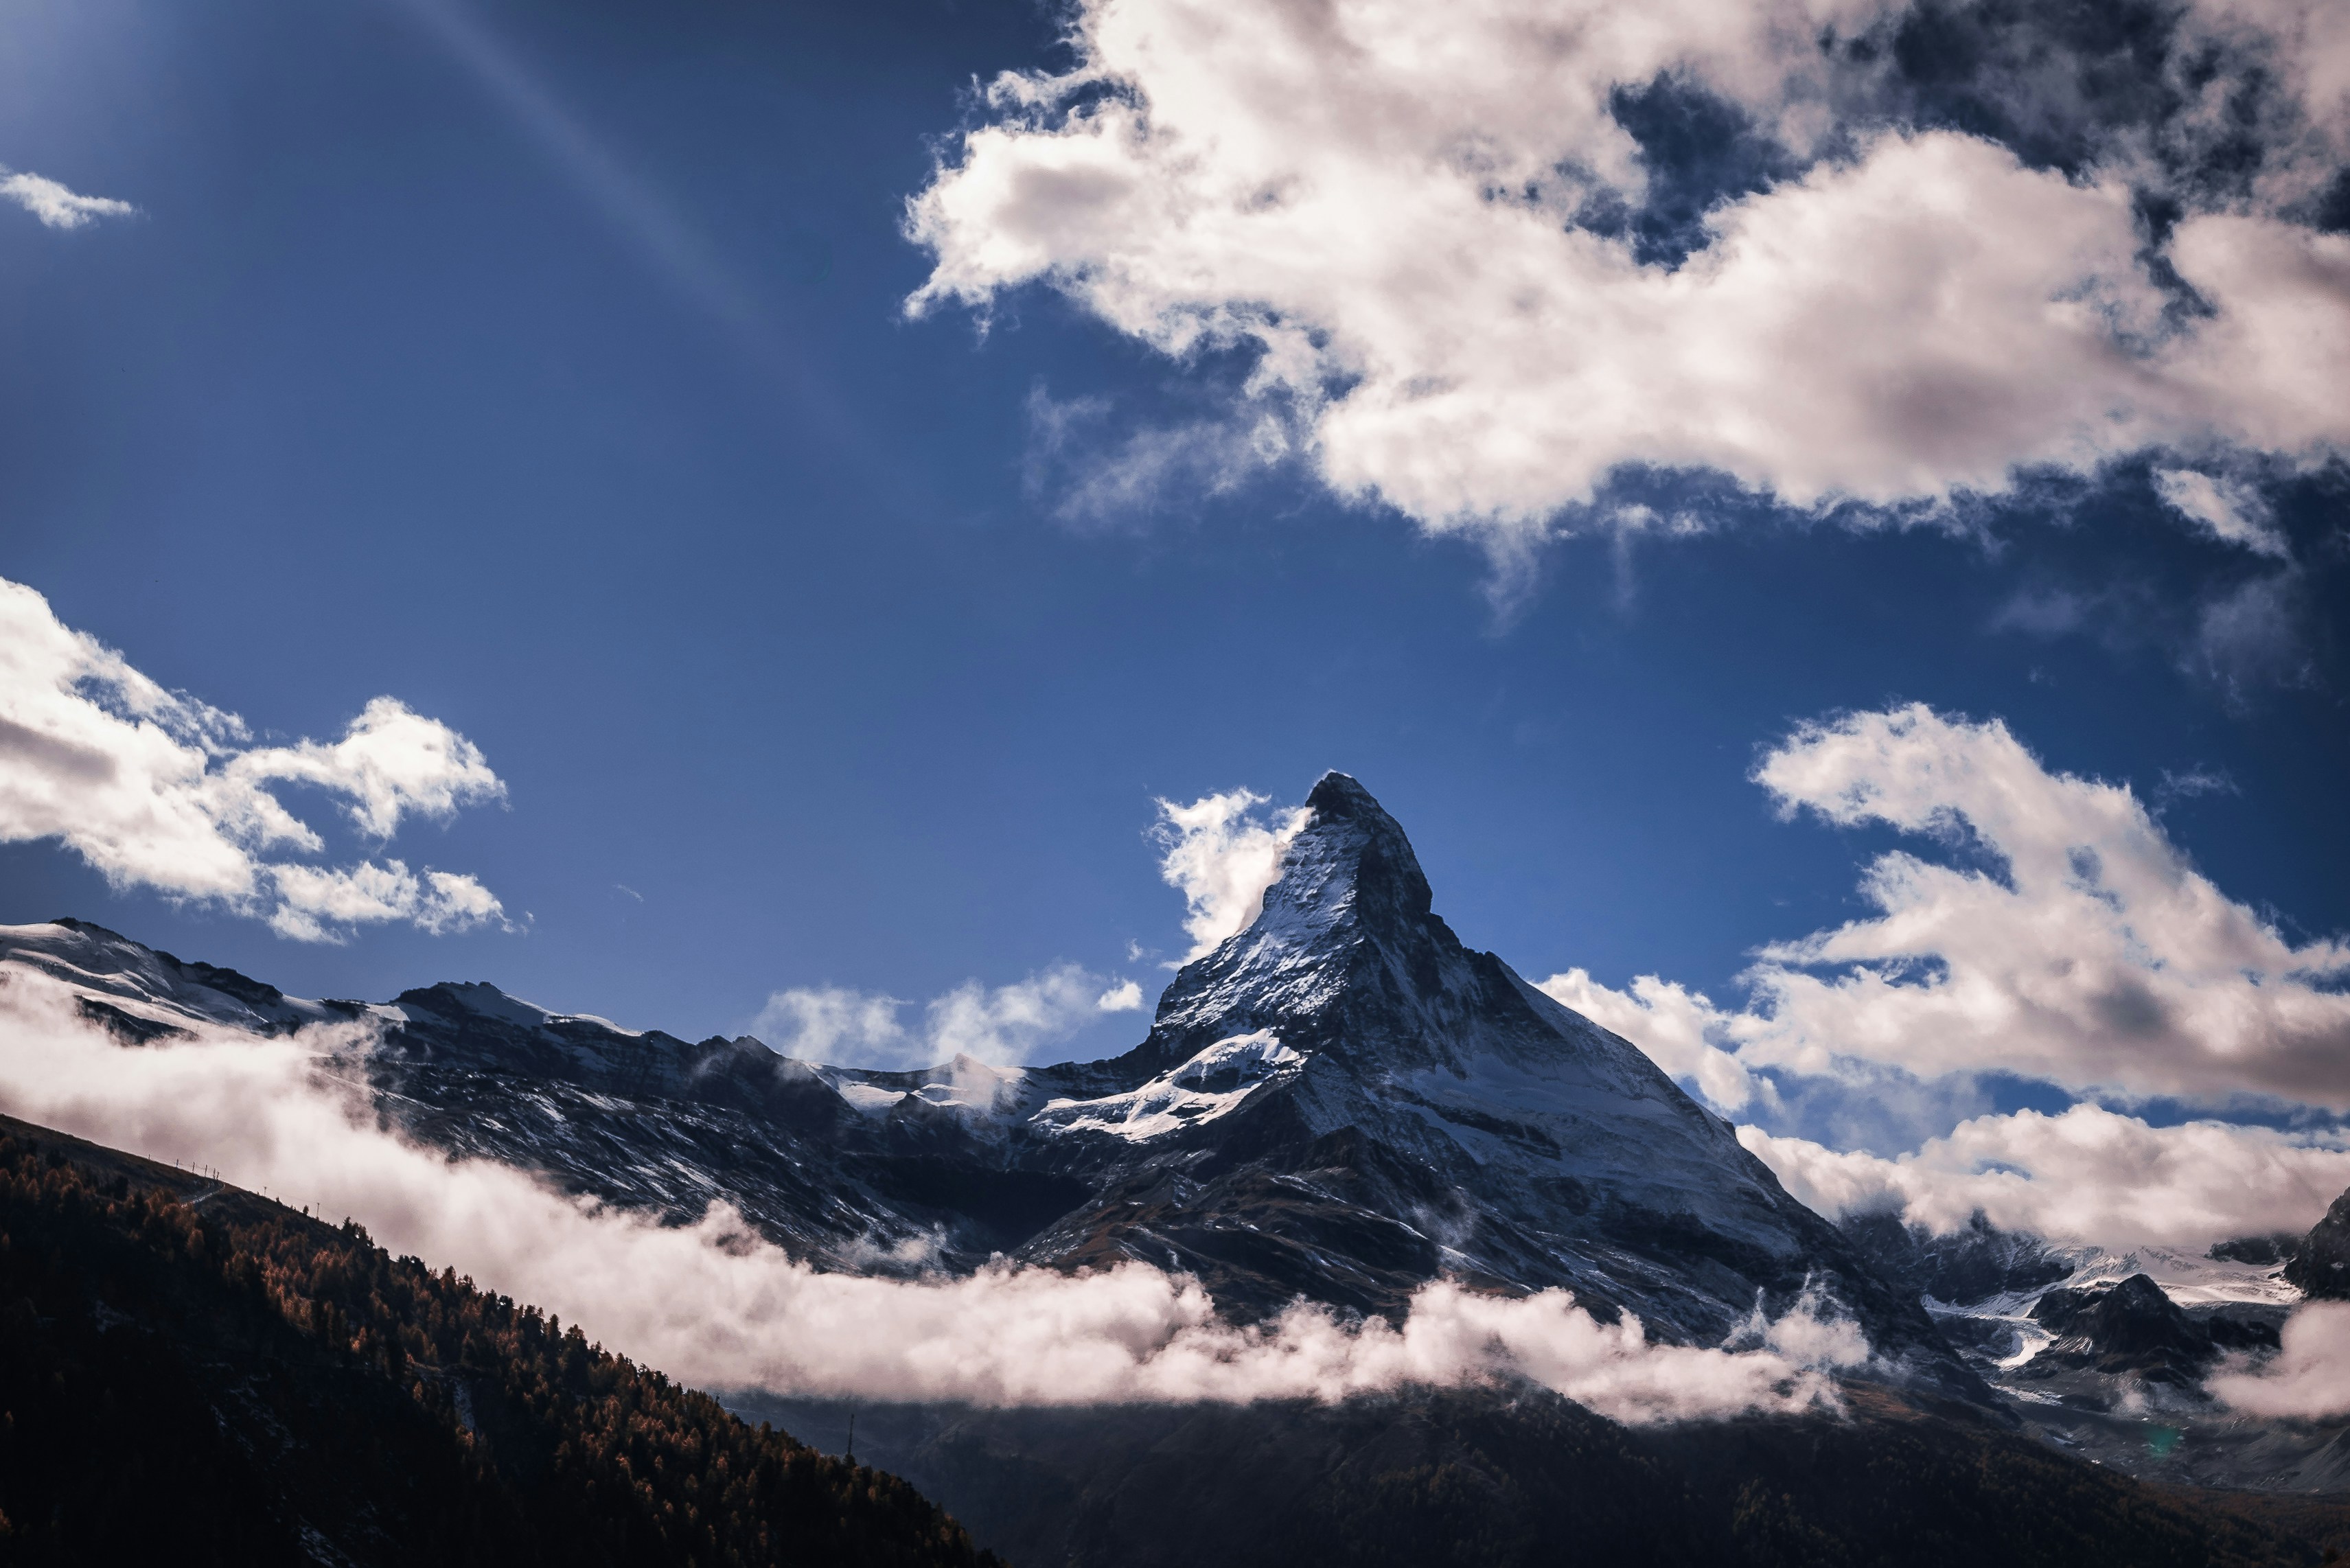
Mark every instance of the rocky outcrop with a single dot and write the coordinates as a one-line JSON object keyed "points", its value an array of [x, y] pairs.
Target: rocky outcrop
{"points": [[1971, 1264], [2133, 1327], [2320, 1266]]}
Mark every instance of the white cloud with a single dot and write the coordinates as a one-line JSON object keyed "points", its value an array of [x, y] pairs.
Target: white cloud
{"points": [[836, 1025], [318, 902], [1678, 1028], [391, 763], [2088, 1176], [2309, 1377], [57, 206], [713, 1304], [1004, 1024], [2304, 45], [1383, 200], [2229, 510], [1222, 854], [2087, 951], [1010, 1024], [2096, 956], [1095, 480], [156, 789], [2092, 955]]}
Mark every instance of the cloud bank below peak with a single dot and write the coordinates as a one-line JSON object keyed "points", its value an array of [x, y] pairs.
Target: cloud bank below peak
{"points": [[156, 789], [1405, 216], [716, 1305]]}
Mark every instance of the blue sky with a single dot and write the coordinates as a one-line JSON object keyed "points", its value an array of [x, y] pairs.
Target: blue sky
{"points": [[547, 369]]}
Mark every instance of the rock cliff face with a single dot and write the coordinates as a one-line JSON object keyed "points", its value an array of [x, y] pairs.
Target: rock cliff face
{"points": [[1340, 1102], [2134, 1327], [2321, 1265]]}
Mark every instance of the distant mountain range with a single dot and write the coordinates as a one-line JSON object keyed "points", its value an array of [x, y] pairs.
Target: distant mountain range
{"points": [[1340, 1103]]}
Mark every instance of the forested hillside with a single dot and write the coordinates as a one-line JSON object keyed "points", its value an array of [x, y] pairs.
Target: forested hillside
{"points": [[1519, 1478], [201, 1376]]}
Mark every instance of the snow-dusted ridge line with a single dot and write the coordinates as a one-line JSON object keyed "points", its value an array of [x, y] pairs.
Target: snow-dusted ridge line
{"points": [[1210, 1084], [2189, 1280], [1340, 1102], [480, 996]]}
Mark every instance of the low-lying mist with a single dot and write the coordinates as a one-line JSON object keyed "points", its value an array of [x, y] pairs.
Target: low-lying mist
{"points": [[2309, 1377], [715, 1305]]}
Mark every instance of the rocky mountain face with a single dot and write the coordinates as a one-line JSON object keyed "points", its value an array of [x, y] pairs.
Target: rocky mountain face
{"points": [[2107, 1353], [2136, 1327], [2320, 1265], [1341, 1102], [1971, 1265]]}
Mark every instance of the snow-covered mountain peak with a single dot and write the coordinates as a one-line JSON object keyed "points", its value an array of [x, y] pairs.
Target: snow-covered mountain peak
{"points": [[1350, 862], [1347, 958], [140, 991], [1342, 1101], [1349, 901]]}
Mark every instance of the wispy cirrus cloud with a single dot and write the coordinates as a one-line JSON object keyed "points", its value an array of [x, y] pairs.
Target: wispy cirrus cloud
{"points": [[57, 206], [2229, 510], [1091, 473], [157, 789]]}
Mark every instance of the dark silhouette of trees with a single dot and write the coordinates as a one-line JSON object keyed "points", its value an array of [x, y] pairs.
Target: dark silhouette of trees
{"points": [[236, 1383]]}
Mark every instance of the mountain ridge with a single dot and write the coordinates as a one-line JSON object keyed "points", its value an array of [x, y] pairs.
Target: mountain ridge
{"points": [[1339, 1102]]}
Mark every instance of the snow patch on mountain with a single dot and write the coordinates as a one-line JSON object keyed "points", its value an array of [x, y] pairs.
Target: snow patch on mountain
{"points": [[1210, 1084]]}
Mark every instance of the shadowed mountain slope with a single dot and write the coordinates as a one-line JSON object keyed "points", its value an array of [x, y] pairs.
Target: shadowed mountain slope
{"points": [[2321, 1264], [190, 1374], [1520, 1479]]}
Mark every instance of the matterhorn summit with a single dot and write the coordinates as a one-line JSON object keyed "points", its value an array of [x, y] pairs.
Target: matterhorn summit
{"points": [[1340, 1103]]}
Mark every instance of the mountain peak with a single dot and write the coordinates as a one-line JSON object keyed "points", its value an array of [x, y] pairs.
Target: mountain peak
{"points": [[1341, 796], [1350, 856]]}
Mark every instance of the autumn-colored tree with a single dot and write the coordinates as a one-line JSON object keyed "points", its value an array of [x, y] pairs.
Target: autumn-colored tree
{"points": [[237, 1383]]}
